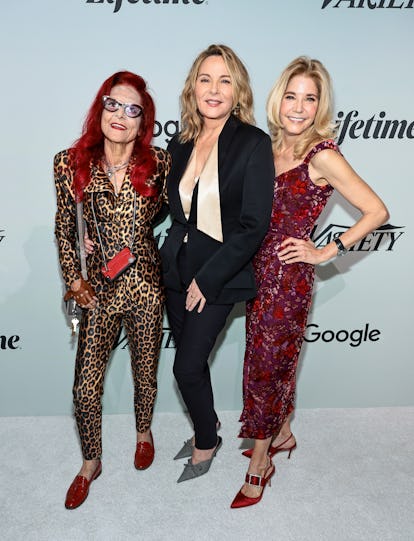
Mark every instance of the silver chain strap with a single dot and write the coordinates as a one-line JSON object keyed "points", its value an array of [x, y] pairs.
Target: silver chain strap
{"points": [[99, 234]]}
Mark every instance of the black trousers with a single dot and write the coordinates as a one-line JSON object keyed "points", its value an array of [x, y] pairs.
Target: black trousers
{"points": [[194, 336]]}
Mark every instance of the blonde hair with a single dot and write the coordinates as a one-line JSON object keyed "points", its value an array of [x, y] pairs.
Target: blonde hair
{"points": [[191, 120], [323, 126]]}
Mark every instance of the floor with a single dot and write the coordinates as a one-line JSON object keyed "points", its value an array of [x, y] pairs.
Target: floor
{"points": [[350, 478]]}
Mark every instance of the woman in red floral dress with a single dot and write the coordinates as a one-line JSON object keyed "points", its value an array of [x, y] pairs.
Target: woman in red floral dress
{"points": [[309, 167]]}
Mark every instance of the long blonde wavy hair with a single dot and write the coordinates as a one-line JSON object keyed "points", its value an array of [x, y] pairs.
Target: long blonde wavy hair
{"points": [[191, 120], [323, 127]]}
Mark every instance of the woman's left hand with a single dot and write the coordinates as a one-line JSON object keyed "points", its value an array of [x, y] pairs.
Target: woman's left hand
{"points": [[194, 297], [294, 250]]}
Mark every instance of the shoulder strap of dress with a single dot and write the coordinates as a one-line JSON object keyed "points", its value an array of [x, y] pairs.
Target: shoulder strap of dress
{"points": [[329, 143]]}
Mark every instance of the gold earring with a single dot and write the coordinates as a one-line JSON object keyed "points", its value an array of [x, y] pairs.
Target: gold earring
{"points": [[236, 110]]}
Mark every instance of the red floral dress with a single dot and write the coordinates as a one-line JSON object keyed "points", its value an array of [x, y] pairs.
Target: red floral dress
{"points": [[276, 318]]}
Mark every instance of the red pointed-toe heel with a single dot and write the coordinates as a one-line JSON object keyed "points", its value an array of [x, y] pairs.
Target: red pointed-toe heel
{"points": [[241, 500], [144, 454], [274, 450], [79, 489]]}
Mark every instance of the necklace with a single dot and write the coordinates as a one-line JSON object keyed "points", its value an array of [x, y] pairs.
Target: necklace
{"points": [[112, 169]]}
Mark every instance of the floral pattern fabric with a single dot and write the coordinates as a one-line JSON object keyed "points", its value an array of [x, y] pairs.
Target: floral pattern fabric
{"points": [[276, 318]]}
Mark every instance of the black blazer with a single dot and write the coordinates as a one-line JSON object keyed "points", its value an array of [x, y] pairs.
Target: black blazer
{"points": [[223, 271]]}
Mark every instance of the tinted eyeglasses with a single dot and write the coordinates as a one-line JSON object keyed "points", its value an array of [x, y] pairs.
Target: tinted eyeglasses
{"points": [[133, 110]]}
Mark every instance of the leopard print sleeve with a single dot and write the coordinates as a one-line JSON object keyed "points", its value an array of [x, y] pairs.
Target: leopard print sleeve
{"points": [[163, 160], [164, 193], [65, 220]]}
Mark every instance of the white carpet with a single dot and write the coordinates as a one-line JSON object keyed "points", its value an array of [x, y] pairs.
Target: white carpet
{"points": [[351, 478]]}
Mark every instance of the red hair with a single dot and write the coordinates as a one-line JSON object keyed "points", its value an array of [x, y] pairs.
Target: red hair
{"points": [[89, 148]]}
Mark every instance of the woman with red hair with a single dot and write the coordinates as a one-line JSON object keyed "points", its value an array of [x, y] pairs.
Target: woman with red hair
{"points": [[119, 179]]}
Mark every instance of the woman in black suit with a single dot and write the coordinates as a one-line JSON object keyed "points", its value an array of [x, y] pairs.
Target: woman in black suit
{"points": [[220, 194]]}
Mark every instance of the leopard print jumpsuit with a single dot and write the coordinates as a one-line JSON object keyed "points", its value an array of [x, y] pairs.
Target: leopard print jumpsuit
{"points": [[135, 299]]}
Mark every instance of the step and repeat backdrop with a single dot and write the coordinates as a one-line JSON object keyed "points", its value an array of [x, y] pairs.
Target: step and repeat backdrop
{"points": [[54, 56]]}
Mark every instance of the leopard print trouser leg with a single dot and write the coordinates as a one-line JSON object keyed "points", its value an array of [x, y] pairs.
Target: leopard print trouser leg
{"points": [[144, 331], [98, 331]]}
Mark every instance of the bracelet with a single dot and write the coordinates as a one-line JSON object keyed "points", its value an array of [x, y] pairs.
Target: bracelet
{"points": [[341, 248]]}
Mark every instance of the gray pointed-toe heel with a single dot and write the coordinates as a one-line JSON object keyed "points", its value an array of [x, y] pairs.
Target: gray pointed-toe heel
{"points": [[186, 450], [191, 471]]}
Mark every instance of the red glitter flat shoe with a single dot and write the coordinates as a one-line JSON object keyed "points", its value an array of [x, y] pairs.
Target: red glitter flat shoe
{"points": [[79, 489], [144, 454]]}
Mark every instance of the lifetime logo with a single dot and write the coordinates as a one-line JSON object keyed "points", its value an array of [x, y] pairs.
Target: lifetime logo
{"points": [[359, 4], [375, 127], [9, 342], [118, 3]]}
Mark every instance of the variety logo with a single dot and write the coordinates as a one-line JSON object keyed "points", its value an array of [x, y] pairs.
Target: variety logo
{"points": [[383, 238], [9, 342], [375, 127], [166, 343], [382, 4], [118, 3], [353, 338]]}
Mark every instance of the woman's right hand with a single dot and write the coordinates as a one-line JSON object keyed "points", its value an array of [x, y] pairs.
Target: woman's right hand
{"points": [[83, 293], [294, 250], [89, 244], [194, 298]]}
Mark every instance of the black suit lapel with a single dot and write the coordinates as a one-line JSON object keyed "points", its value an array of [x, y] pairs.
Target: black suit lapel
{"points": [[180, 154], [225, 139]]}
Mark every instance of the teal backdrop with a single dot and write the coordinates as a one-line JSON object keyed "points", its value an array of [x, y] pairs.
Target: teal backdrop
{"points": [[54, 56]]}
